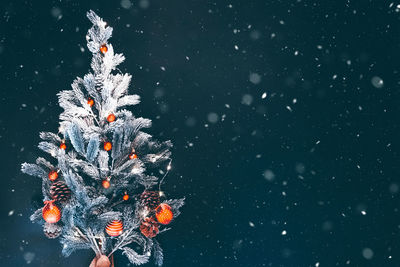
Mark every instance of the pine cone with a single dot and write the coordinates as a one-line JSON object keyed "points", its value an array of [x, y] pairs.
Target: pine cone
{"points": [[149, 227], [60, 192], [52, 230], [150, 199]]}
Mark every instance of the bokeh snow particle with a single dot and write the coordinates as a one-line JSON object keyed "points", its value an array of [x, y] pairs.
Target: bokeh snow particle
{"points": [[300, 168], [144, 4], [363, 212], [269, 175], [164, 108], [56, 12], [394, 188], [212, 117], [255, 35], [159, 92], [247, 99], [126, 4], [255, 78], [28, 257], [377, 82], [190, 122], [367, 253]]}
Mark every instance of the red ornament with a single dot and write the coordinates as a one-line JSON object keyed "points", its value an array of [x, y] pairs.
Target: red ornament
{"points": [[111, 118], [149, 227], [63, 146], [164, 214], [105, 183], [125, 197], [107, 146], [132, 156], [51, 213], [103, 49], [114, 228], [53, 175], [90, 102]]}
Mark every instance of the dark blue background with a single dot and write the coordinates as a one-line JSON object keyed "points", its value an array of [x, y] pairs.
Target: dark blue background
{"points": [[333, 154]]}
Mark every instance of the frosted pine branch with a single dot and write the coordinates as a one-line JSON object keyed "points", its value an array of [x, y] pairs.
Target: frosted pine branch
{"points": [[94, 186]]}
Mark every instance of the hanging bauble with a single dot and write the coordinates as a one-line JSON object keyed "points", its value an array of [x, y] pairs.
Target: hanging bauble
{"points": [[164, 214], [125, 197], [90, 102], [51, 213], [63, 146], [103, 49], [105, 183], [149, 227], [107, 146], [52, 230], [132, 156], [53, 175], [114, 228], [60, 192], [150, 199], [111, 118]]}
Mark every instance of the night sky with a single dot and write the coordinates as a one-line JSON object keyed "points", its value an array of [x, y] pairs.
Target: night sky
{"points": [[284, 117]]}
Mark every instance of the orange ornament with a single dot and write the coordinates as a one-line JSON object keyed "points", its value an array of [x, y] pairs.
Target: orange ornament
{"points": [[53, 175], [90, 102], [105, 183], [107, 146], [103, 49], [111, 118], [132, 156], [63, 146], [51, 213], [149, 227], [114, 228], [164, 214], [125, 197]]}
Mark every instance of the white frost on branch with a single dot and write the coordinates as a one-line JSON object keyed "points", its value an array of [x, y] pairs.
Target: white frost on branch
{"points": [[84, 164]]}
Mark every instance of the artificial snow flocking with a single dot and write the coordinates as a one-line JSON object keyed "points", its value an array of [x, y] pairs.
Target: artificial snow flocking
{"points": [[99, 186]]}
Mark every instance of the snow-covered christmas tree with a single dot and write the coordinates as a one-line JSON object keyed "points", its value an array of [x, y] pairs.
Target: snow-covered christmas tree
{"points": [[102, 187]]}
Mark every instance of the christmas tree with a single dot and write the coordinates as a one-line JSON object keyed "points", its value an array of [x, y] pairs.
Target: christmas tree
{"points": [[102, 187]]}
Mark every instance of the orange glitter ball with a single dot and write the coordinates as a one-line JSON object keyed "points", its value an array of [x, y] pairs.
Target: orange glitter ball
{"points": [[53, 175], [132, 156], [164, 214], [111, 118], [51, 213], [106, 184], [103, 49], [90, 102], [63, 146], [107, 146], [125, 197], [114, 228]]}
